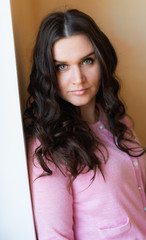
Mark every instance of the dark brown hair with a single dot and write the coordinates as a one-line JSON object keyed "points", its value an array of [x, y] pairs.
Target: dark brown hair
{"points": [[65, 138]]}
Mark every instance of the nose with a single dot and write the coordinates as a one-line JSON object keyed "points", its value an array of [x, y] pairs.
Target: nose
{"points": [[77, 75]]}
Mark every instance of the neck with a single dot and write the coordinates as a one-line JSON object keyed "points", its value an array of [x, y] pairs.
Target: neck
{"points": [[89, 114]]}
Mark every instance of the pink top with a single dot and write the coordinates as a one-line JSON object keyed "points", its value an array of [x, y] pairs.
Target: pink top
{"points": [[110, 209]]}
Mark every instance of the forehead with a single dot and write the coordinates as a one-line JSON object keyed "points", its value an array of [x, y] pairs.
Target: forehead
{"points": [[72, 48]]}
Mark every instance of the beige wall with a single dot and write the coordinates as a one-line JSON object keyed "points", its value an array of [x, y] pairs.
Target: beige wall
{"points": [[124, 22]]}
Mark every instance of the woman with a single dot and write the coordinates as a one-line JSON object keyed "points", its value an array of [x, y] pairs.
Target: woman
{"points": [[86, 167]]}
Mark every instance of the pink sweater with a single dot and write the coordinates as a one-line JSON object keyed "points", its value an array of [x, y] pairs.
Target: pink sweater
{"points": [[111, 209]]}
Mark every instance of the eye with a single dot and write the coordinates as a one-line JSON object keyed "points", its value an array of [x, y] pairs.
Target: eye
{"points": [[61, 67], [88, 61]]}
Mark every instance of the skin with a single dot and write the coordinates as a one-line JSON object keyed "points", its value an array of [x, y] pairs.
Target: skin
{"points": [[78, 73]]}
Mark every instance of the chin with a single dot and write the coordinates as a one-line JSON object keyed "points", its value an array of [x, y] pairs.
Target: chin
{"points": [[80, 103]]}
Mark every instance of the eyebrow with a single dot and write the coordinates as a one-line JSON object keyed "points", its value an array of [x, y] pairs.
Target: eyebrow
{"points": [[89, 54]]}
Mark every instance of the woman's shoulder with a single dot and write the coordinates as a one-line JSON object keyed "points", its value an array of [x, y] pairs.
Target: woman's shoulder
{"points": [[34, 165], [32, 143]]}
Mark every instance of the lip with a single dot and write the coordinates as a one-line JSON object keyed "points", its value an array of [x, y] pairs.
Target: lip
{"points": [[79, 92]]}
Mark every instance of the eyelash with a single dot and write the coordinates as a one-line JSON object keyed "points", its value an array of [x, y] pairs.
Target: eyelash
{"points": [[58, 67], [91, 60]]}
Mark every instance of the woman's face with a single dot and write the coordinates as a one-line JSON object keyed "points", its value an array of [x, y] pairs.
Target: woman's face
{"points": [[78, 71]]}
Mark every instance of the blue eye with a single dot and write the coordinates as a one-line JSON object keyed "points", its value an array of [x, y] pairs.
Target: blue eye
{"points": [[61, 67], [88, 61]]}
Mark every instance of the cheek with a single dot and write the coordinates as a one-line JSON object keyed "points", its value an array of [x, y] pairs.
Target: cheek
{"points": [[93, 73], [63, 80], [95, 77], [59, 81], [98, 76], [97, 80], [62, 85]]}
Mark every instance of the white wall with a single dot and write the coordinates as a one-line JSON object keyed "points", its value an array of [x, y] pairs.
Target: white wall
{"points": [[16, 221]]}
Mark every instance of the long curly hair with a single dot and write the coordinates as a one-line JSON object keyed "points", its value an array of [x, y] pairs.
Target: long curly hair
{"points": [[65, 139]]}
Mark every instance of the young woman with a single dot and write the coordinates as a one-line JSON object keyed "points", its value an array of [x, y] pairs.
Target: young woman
{"points": [[86, 167]]}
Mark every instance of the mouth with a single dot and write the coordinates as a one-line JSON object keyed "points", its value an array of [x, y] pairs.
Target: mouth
{"points": [[79, 92]]}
